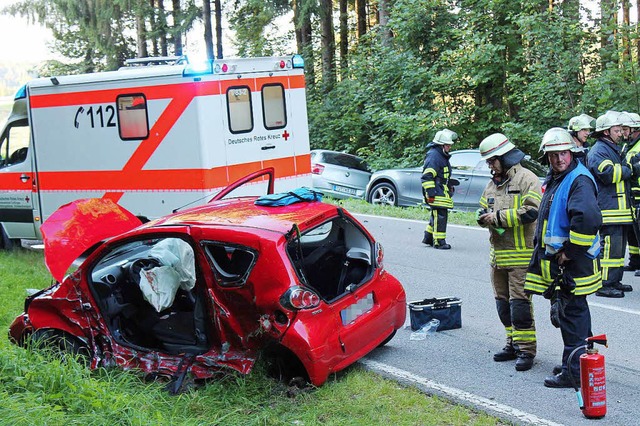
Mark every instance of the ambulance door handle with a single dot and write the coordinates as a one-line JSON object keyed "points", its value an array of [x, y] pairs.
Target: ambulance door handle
{"points": [[266, 147], [24, 178]]}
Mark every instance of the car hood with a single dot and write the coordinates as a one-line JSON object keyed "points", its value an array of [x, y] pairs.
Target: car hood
{"points": [[79, 225]]}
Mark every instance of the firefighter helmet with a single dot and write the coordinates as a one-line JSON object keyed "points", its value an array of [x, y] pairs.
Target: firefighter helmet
{"points": [[581, 122], [608, 120], [445, 137], [495, 145], [557, 139], [630, 119]]}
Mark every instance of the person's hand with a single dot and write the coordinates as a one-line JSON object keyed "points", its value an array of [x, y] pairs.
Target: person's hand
{"points": [[562, 258], [488, 218], [431, 200]]}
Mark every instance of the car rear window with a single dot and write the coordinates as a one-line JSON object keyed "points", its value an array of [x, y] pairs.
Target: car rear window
{"points": [[345, 160]]}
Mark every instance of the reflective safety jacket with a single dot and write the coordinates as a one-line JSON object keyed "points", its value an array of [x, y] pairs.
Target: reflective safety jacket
{"points": [[582, 271], [436, 172], [515, 200], [612, 174], [634, 182]]}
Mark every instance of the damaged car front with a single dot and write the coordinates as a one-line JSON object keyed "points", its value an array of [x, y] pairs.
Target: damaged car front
{"points": [[215, 287]]}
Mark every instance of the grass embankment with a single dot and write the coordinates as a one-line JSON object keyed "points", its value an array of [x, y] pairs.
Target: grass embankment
{"points": [[417, 213], [37, 390]]}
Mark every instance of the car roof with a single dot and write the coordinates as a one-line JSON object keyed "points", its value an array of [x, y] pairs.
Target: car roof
{"points": [[242, 212]]}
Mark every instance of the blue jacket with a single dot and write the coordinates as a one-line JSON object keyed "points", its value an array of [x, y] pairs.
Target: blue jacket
{"points": [[612, 174], [436, 172]]}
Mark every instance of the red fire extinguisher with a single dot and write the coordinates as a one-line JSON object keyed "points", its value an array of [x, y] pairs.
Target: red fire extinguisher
{"points": [[593, 395]]}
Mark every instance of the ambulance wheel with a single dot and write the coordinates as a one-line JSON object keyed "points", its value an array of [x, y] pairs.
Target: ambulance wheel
{"points": [[7, 243], [384, 193]]}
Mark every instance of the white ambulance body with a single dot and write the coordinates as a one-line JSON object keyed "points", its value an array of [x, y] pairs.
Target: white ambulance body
{"points": [[152, 138]]}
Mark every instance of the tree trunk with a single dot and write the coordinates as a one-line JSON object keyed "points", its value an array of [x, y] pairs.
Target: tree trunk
{"points": [[218, 6], [608, 32], [361, 13], [206, 21], [141, 31], [383, 14], [153, 23], [328, 45], [162, 26], [344, 38], [177, 34], [626, 45]]}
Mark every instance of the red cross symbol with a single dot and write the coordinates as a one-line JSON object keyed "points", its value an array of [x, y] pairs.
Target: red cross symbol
{"points": [[27, 198], [286, 135]]}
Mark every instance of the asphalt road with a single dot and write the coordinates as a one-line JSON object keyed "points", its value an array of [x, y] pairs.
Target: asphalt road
{"points": [[458, 363]]}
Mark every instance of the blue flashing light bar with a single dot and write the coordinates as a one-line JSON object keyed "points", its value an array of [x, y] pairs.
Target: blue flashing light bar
{"points": [[21, 93], [297, 61], [198, 68]]}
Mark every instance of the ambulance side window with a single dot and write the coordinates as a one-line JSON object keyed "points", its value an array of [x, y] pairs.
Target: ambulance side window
{"points": [[14, 144], [133, 118], [239, 108], [273, 106]]}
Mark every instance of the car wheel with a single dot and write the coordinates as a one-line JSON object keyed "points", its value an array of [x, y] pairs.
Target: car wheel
{"points": [[58, 343], [384, 193], [388, 339]]}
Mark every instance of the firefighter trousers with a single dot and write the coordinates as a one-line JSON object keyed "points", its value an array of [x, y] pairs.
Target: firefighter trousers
{"points": [[634, 249], [613, 246], [515, 309], [575, 327], [437, 226]]}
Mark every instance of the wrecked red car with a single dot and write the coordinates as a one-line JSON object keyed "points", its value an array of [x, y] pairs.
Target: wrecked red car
{"points": [[214, 287]]}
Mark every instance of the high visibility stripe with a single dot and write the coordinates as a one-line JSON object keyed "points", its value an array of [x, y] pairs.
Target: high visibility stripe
{"points": [[604, 164], [509, 331], [634, 249], [428, 184], [430, 171], [155, 180], [616, 216], [483, 202], [532, 194], [581, 239], [166, 91], [535, 283], [524, 336]]}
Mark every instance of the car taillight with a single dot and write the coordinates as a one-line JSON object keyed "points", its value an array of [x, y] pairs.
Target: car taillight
{"points": [[317, 169], [379, 256], [300, 298]]}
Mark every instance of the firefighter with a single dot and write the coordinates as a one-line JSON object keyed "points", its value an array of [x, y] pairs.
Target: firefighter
{"points": [[565, 264], [509, 208], [634, 150], [612, 173], [580, 128], [436, 172]]}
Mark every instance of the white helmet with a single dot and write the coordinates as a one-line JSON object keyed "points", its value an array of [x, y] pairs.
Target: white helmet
{"points": [[495, 145], [581, 122], [609, 120], [445, 137], [631, 119], [557, 139]]}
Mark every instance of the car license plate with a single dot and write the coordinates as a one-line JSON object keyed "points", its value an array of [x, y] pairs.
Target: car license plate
{"points": [[344, 189], [353, 312]]}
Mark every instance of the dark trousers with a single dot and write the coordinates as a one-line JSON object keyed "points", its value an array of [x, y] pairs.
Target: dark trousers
{"points": [[575, 327], [613, 246], [634, 248], [438, 223]]}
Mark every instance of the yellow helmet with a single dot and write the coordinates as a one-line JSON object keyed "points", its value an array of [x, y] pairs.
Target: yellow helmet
{"points": [[495, 145]]}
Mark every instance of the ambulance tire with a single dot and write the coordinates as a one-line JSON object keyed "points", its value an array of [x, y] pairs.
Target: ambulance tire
{"points": [[384, 193], [7, 243]]}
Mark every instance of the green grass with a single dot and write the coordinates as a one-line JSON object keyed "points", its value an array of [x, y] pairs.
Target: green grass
{"points": [[36, 389], [417, 213]]}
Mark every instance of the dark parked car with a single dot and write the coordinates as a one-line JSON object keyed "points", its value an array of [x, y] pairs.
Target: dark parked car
{"points": [[402, 187], [338, 174], [212, 287]]}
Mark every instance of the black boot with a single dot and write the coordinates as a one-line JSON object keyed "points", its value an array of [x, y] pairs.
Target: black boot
{"points": [[524, 361], [622, 287], [559, 381], [507, 353], [427, 239], [442, 245], [557, 370], [609, 292]]}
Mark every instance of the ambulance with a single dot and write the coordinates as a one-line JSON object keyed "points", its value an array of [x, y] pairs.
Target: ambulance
{"points": [[155, 136]]}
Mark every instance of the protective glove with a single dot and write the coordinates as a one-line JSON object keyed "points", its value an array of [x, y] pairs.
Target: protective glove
{"points": [[430, 200], [558, 303]]}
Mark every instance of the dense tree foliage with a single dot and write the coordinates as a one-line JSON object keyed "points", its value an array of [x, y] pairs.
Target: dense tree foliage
{"points": [[384, 75]]}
